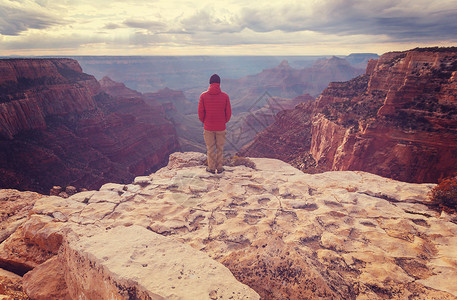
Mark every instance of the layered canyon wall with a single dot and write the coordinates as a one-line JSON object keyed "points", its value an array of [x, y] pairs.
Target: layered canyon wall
{"points": [[398, 120], [59, 126]]}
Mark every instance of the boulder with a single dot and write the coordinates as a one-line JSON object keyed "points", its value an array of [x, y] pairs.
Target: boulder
{"points": [[136, 263]]}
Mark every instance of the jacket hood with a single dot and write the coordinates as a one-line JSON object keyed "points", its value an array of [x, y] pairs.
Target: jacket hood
{"points": [[214, 88]]}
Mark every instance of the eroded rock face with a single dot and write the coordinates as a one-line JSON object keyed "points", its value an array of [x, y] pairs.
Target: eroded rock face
{"points": [[34, 89], [11, 286], [59, 127], [15, 207], [47, 281], [285, 234], [399, 120], [287, 138], [403, 123], [14, 210]]}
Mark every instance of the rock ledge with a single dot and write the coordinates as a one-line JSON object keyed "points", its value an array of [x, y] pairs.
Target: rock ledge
{"points": [[283, 233]]}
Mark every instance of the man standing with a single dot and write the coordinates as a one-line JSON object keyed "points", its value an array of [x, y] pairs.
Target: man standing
{"points": [[214, 111]]}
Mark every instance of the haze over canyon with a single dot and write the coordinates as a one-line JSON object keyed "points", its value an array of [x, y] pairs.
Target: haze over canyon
{"points": [[61, 126]]}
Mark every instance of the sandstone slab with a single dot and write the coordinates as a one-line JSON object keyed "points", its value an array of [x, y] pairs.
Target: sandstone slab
{"points": [[14, 210], [285, 234], [135, 263]]}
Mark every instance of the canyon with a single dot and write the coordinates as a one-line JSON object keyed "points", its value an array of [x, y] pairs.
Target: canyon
{"points": [[256, 98], [260, 230], [287, 82], [398, 120], [190, 74], [304, 217], [60, 126]]}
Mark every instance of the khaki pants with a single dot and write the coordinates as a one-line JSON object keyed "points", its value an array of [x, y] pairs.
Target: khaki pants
{"points": [[214, 146]]}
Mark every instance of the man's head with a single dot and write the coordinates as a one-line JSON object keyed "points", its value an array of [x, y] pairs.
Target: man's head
{"points": [[214, 79]]}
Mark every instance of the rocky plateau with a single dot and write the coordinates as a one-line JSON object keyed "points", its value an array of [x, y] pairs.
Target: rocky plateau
{"points": [[269, 231]]}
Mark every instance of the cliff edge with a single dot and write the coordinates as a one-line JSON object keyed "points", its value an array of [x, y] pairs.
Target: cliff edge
{"points": [[283, 233], [398, 120]]}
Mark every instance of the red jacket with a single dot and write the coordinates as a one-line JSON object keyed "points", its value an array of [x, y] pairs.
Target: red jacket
{"points": [[214, 108]]}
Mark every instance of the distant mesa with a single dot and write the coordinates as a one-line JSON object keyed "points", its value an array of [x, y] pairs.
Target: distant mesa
{"points": [[361, 59], [172, 97], [284, 64], [117, 89]]}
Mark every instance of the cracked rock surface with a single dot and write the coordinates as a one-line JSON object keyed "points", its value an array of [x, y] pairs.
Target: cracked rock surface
{"points": [[283, 233]]}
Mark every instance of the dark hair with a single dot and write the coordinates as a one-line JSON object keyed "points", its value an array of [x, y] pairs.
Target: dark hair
{"points": [[214, 79]]}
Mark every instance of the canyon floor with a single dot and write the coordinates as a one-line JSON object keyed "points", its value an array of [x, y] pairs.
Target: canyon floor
{"points": [[272, 232]]}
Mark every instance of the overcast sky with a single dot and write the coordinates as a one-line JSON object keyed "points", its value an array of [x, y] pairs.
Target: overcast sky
{"points": [[244, 27]]}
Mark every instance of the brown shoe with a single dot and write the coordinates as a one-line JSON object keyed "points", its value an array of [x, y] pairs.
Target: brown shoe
{"points": [[211, 171]]}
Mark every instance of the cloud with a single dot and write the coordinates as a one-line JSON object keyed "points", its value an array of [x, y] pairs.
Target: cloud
{"points": [[210, 20], [149, 39], [398, 19], [440, 25], [46, 41], [144, 24], [15, 20], [112, 26], [202, 24], [137, 24], [270, 18]]}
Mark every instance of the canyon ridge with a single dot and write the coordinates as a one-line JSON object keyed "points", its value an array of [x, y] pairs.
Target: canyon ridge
{"points": [[332, 203], [59, 126], [398, 120]]}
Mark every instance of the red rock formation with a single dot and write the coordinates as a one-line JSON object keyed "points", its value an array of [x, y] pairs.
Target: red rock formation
{"points": [[14, 208], [33, 89], [284, 146], [117, 89], [399, 120], [58, 126]]}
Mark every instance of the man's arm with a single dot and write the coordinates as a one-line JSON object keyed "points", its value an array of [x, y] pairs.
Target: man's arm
{"points": [[228, 110], [201, 109]]}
